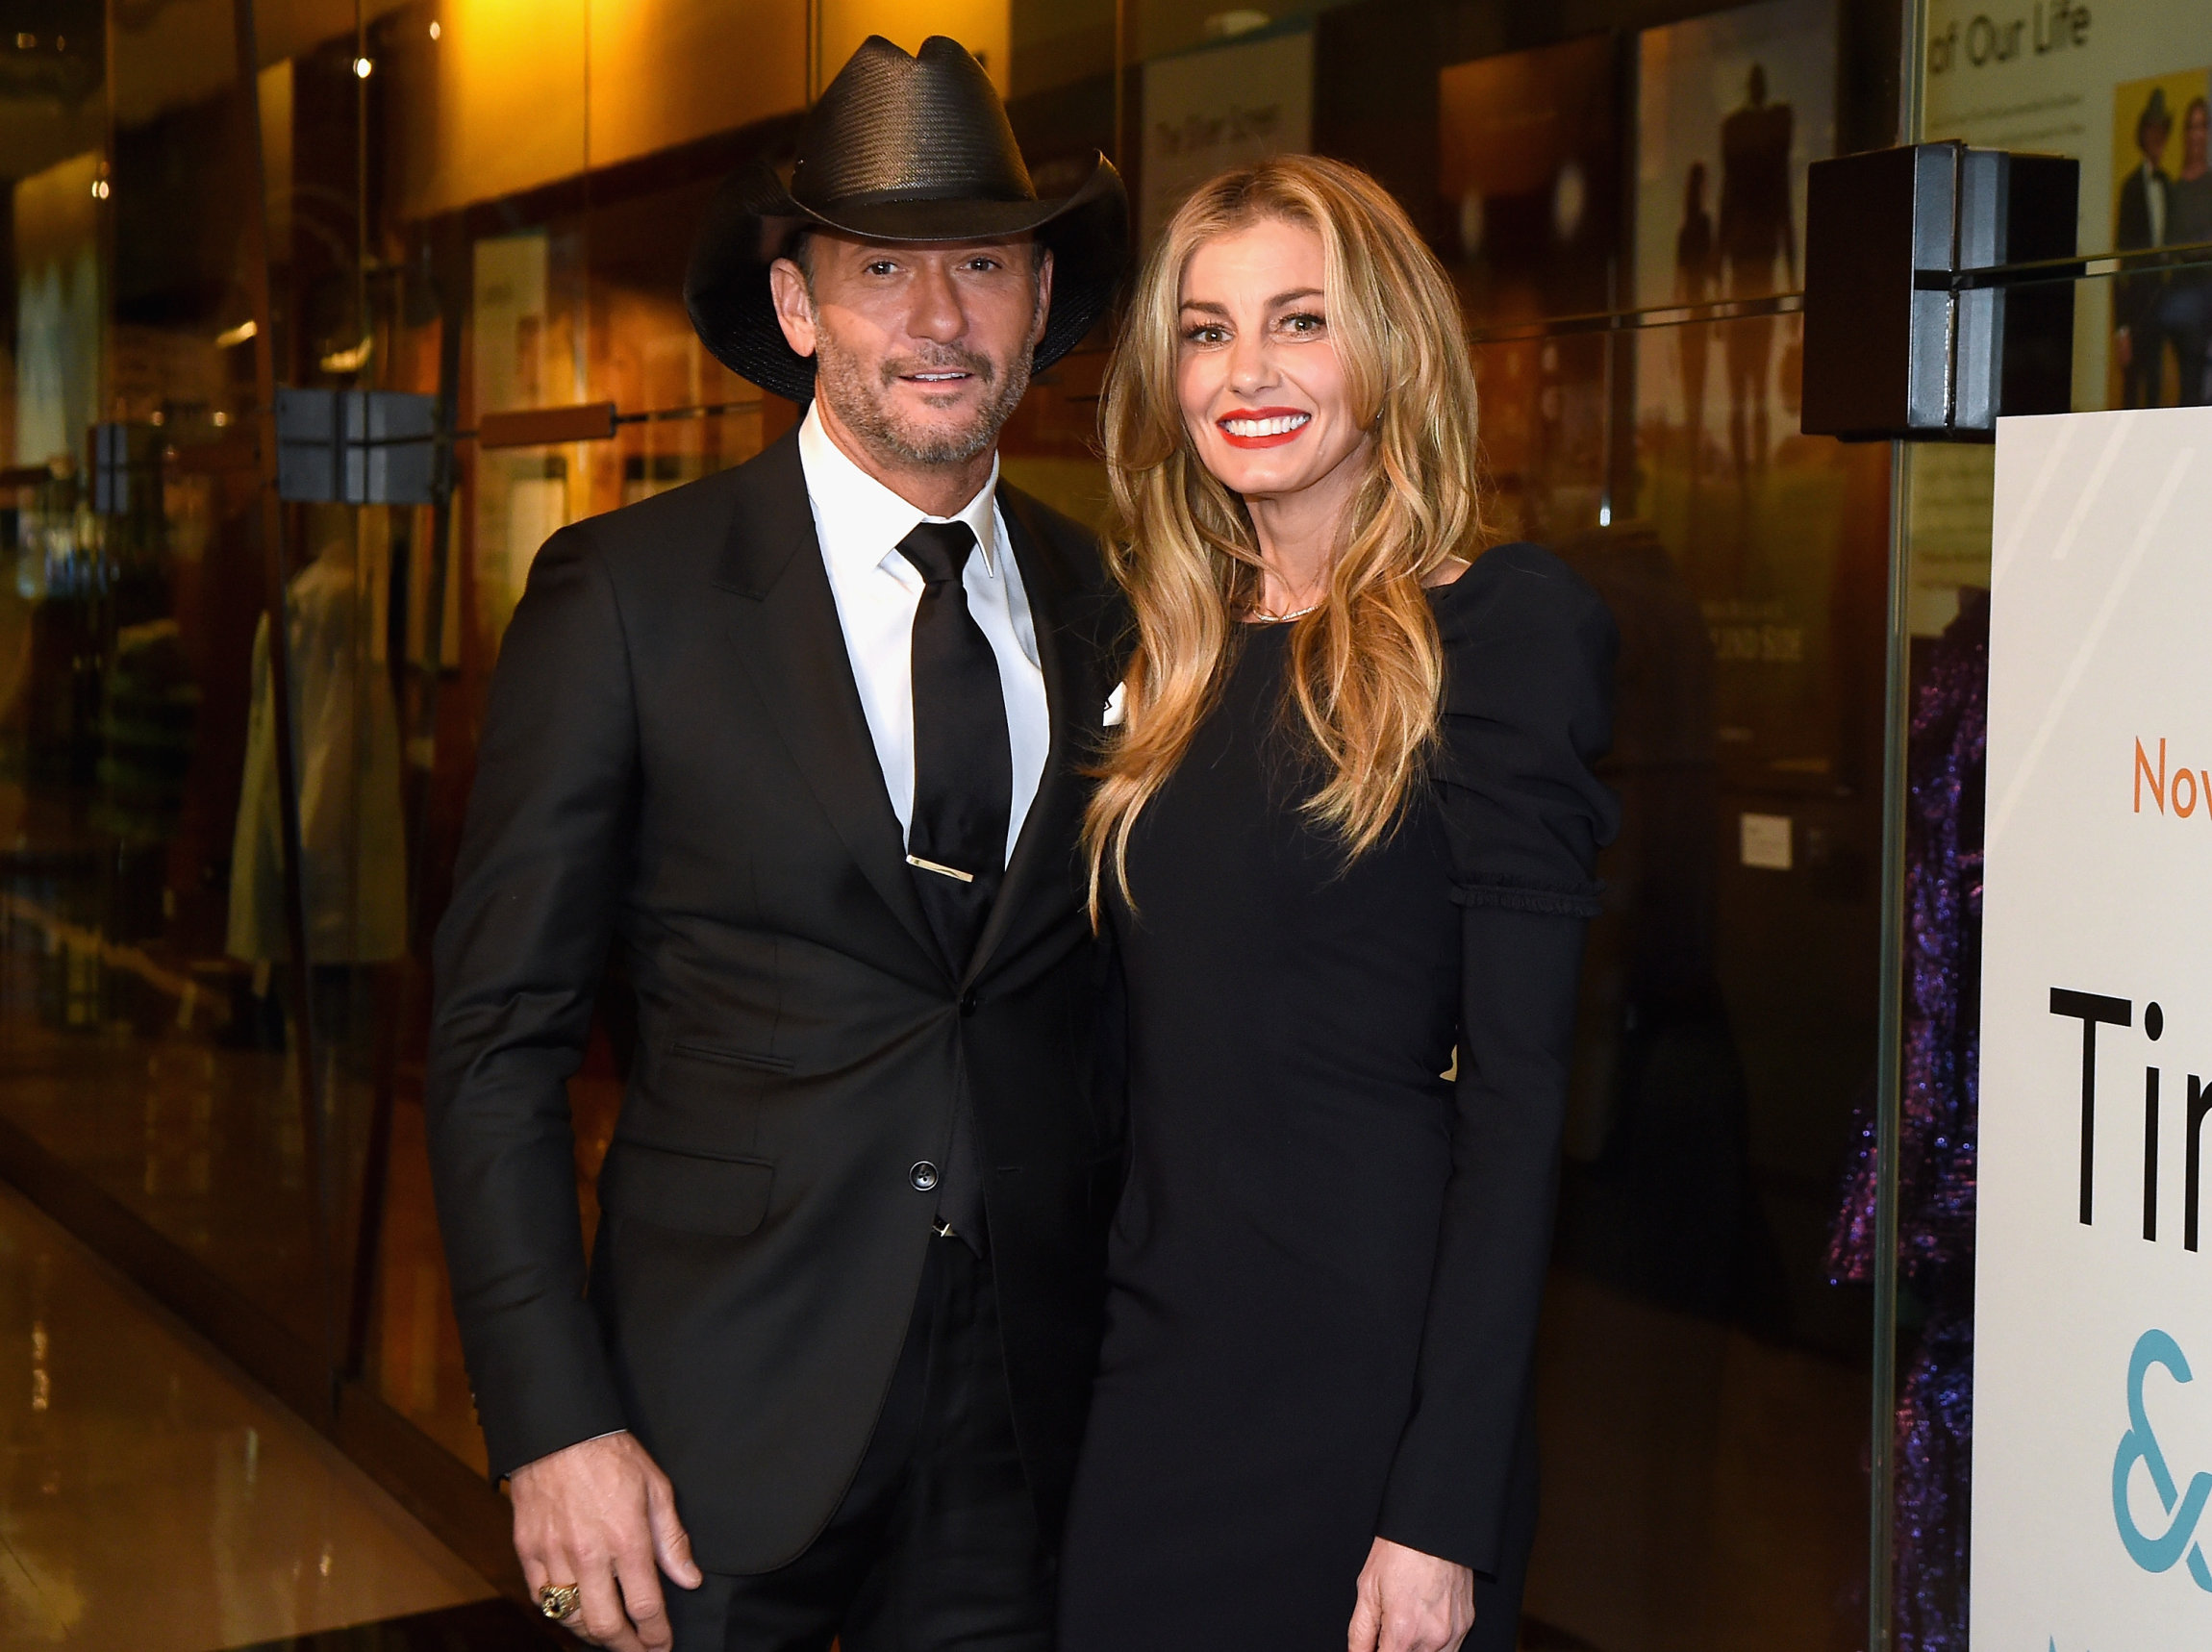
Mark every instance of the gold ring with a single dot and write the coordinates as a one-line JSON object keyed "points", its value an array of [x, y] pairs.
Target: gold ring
{"points": [[559, 1601]]}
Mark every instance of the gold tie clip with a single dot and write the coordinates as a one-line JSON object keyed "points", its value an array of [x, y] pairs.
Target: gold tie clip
{"points": [[946, 871]]}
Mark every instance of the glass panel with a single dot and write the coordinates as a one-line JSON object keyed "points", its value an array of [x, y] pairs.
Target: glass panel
{"points": [[1703, 1384], [419, 111], [150, 1013], [491, 204], [518, 273], [1948, 513], [2129, 103], [1062, 109]]}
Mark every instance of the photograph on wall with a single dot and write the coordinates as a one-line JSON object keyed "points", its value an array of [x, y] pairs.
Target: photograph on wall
{"points": [[1771, 526], [1528, 170], [2161, 198], [2111, 87], [1732, 109]]}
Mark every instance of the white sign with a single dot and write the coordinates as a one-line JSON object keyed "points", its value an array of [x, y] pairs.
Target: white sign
{"points": [[2092, 1357], [1766, 841], [1221, 107]]}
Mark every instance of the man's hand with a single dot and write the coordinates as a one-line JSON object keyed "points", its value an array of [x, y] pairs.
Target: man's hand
{"points": [[602, 1515], [1411, 1602]]}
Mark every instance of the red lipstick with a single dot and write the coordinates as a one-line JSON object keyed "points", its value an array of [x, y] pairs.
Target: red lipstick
{"points": [[1270, 426]]}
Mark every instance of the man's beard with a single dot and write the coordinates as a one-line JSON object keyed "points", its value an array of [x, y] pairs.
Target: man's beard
{"points": [[862, 400]]}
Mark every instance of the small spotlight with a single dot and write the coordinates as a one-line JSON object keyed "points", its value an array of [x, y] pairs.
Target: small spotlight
{"points": [[25, 43], [434, 29], [362, 68], [221, 418], [99, 189]]}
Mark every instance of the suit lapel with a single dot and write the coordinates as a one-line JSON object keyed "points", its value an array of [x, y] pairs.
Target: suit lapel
{"points": [[789, 641], [1049, 830]]}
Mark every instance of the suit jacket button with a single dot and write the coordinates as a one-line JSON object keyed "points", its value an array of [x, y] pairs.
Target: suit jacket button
{"points": [[924, 1175], [969, 1001]]}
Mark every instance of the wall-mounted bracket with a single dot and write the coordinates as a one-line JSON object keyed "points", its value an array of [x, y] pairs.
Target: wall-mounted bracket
{"points": [[126, 467], [355, 448], [1912, 331]]}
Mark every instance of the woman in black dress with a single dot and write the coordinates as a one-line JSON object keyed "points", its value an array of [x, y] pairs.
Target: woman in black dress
{"points": [[1344, 831]]}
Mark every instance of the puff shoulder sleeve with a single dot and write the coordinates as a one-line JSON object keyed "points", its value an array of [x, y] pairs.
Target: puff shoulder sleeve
{"points": [[1528, 710]]}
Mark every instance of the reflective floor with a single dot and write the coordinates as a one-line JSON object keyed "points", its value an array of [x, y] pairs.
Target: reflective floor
{"points": [[153, 1500], [1701, 1488]]}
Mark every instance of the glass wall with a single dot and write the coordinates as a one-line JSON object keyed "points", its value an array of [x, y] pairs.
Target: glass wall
{"points": [[2124, 93], [146, 978], [489, 205]]}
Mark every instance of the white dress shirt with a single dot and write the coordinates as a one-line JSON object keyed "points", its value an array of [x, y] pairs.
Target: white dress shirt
{"points": [[859, 523]]}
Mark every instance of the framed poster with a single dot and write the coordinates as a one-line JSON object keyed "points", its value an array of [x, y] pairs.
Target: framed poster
{"points": [[2111, 86], [1732, 108], [1772, 527]]}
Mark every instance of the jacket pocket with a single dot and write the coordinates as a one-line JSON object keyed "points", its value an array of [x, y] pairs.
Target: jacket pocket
{"points": [[730, 1056], [694, 1193]]}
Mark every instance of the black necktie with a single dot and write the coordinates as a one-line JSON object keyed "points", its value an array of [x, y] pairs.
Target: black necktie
{"points": [[963, 794], [962, 760]]}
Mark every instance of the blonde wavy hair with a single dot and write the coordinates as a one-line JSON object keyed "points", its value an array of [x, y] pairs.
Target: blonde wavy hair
{"points": [[1366, 667]]}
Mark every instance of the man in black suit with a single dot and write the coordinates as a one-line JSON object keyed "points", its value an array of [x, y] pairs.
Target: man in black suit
{"points": [[2138, 340], [804, 742]]}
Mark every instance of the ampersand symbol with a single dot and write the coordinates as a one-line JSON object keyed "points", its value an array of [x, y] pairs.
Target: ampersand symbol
{"points": [[2139, 1445]]}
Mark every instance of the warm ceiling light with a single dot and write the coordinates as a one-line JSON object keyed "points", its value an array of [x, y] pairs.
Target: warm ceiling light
{"points": [[237, 334], [99, 189], [362, 68], [24, 42], [433, 30]]}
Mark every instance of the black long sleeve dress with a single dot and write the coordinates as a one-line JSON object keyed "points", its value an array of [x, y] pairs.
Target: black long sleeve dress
{"points": [[1326, 1269]]}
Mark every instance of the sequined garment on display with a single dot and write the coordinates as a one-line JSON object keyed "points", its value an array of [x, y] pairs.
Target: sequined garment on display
{"points": [[1936, 1138]]}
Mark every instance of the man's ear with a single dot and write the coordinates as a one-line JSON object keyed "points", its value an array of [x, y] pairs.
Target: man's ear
{"points": [[794, 306], [1043, 257]]}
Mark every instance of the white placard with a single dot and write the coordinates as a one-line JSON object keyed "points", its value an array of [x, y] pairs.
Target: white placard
{"points": [[1221, 107], [1766, 841], [2093, 1358]]}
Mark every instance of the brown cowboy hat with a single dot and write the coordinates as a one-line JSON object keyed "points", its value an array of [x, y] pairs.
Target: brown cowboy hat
{"points": [[898, 148]]}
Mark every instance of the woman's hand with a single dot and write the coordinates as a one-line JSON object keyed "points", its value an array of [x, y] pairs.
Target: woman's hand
{"points": [[1411, 1602]]}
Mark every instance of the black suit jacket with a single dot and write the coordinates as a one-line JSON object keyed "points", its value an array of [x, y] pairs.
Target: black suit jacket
{"points": [[2135, 295], [675, 759]]}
